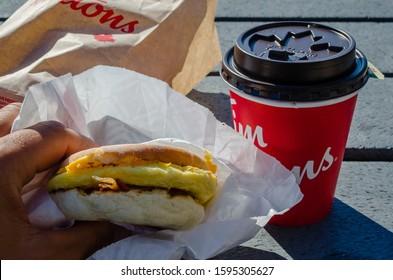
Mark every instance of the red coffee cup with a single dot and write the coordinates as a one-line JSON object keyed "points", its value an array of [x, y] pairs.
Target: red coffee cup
{"points": [[293, 90]]}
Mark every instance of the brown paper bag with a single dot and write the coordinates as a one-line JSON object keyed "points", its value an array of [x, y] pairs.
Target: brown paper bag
{"points": [[172, 40]]}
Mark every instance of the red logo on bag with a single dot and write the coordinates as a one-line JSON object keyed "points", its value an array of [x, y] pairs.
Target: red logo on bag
{"points": [[104, 38], [92, 9]]}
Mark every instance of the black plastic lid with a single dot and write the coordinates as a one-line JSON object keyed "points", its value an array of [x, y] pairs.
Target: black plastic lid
{"points": [[295, 61]]}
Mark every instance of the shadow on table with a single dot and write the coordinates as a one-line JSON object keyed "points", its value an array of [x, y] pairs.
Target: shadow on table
{"points": [[343, 234], [217, 103], [247, 253]]}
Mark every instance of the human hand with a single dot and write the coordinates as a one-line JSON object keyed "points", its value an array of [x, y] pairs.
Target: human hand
{"points": [[23, 154]]}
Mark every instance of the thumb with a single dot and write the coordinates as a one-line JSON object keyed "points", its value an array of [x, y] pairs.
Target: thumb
{"points": [[7, 117]]}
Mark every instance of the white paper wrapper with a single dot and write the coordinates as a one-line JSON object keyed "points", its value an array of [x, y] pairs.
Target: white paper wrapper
{"points": [[112, 106]]}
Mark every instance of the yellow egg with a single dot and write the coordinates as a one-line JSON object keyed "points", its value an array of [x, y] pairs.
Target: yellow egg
{"points": [[199, 183]]}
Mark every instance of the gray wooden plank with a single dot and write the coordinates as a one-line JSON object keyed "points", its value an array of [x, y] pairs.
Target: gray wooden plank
{"points": [[7, 8], [372, 38], [305, 8], [353, 230], [372, 124], [282, 8]]}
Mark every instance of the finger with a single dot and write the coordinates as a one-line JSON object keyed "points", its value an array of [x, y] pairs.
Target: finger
{"points": [[29, 151], [82, 240], [7, 117]]}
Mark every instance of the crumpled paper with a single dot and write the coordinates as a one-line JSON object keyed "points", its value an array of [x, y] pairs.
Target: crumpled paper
{"points": [[114, 105]]}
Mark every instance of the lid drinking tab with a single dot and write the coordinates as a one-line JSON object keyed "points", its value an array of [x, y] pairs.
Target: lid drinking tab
{"points": [[285, 58]]}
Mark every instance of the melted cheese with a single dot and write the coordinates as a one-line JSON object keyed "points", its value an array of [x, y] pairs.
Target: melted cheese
{"points": [[209, 162], [201, 184], [86, 162], [82, 163]]}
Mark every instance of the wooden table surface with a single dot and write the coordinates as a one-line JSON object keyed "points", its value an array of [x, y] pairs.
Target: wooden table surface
{"points": [[360, 225]]}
